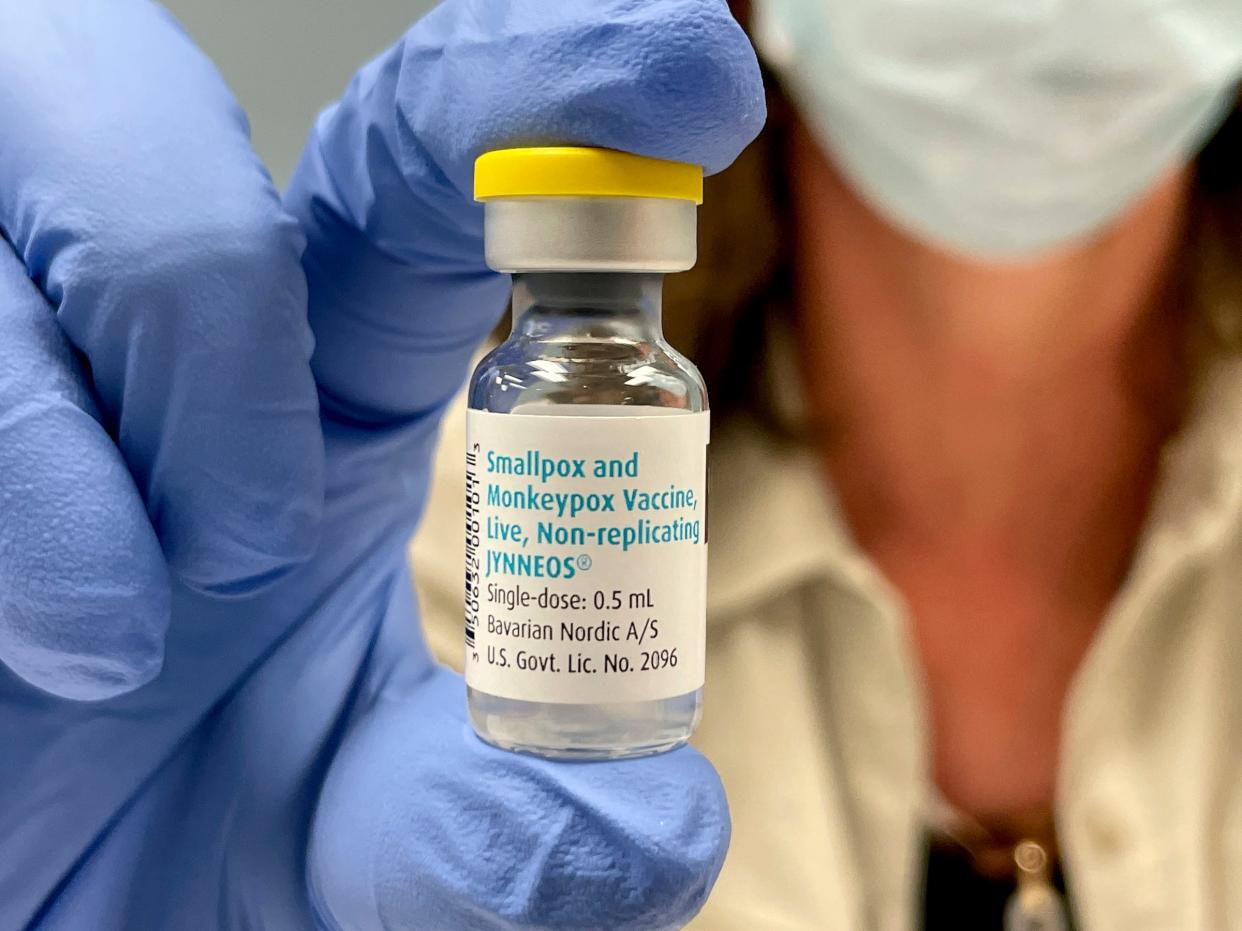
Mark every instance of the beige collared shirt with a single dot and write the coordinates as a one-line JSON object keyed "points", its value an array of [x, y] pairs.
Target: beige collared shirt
{"points": [[814, 712]]}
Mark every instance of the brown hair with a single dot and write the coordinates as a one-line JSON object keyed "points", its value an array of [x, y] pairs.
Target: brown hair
{"points": [[1214, 243]]}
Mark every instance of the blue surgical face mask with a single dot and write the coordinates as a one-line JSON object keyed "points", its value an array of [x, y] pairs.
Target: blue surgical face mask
{"points": [[1005, 128]]}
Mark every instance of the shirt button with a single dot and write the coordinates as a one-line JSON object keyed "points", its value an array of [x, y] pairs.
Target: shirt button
{"points": [[1105, 833]]}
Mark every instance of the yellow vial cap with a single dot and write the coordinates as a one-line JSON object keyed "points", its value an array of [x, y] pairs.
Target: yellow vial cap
{"points": [[576, 171]]}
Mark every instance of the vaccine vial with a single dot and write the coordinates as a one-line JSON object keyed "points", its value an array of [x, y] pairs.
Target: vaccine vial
{"points": [[586, 496]]}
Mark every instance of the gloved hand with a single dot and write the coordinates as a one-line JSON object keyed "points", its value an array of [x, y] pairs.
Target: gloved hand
{"points": [[298, 760]]}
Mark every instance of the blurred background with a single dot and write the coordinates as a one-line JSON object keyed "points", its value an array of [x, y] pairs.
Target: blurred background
{"points": [[286, 59]]}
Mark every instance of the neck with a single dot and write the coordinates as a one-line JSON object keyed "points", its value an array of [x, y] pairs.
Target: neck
{"points": [[934, 370], [587, 304], [994, 432]]}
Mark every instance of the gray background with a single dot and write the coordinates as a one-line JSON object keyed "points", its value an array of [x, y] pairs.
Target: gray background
{"points": [[286, 59]]}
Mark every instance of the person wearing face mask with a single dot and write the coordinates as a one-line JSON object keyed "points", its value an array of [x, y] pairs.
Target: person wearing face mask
{"points": [[969, 311]]}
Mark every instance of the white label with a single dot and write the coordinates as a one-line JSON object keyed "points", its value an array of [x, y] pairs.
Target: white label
{"points": [[586, 553]]}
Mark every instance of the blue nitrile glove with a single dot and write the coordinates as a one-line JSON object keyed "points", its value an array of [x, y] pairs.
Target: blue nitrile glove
{"points": [[298, 761]]}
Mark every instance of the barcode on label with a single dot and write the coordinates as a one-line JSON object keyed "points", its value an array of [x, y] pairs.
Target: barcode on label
{"points": [[472, 546]]}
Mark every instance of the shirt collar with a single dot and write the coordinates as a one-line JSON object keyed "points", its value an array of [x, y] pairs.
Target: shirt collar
{"points": [[775, 524], [1197, 504]]}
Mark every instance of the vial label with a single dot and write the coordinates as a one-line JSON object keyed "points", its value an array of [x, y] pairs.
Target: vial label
{"points": [[586, 553]]}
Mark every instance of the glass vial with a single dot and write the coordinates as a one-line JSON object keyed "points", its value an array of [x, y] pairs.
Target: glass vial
{"points": [[586, 534]]}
